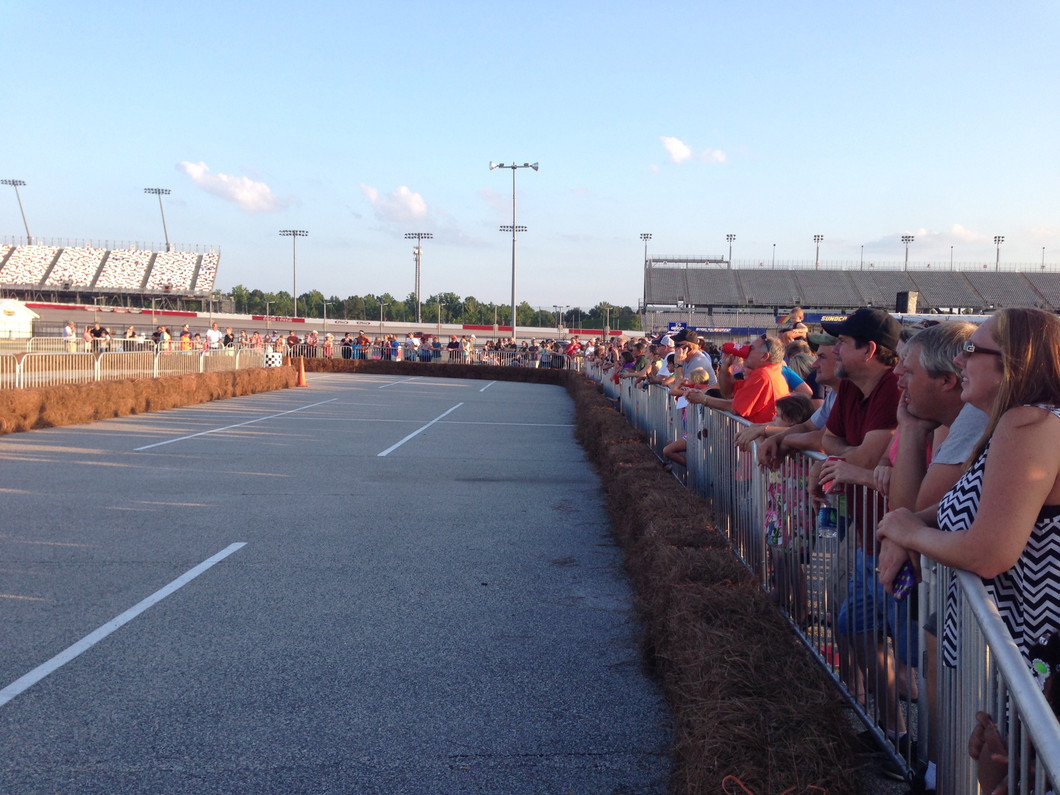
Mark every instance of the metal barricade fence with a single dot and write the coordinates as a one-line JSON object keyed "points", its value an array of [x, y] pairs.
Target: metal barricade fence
{"points": [[219, 360], [826, 583], [178, 363], [121, 366], [48, 369], [9, 371]]}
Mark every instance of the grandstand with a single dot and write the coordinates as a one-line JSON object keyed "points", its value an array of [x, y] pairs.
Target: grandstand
{"points": [[706, 292], [129, 275]]}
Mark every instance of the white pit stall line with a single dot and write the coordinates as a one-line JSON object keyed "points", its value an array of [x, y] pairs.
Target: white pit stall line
{"points": [[229, 427], [402, 381], [394, 447], [27, 681], [491, 383]]}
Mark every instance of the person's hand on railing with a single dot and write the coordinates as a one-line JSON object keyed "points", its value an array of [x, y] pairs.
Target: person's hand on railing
{"points": [[987, 748], [696, 396], [747, 435], [845, 472], [890, 559], [817, 495], [881, 477], [771, 454]]}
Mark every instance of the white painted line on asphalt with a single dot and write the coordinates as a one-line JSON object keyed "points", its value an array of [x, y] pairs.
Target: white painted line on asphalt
{"points": [[394, 447], [62, 658], [229, 427], [402, 381], [491, 383]]}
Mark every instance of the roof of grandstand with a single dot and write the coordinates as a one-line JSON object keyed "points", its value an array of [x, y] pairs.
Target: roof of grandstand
{"points": [[685, 282]]}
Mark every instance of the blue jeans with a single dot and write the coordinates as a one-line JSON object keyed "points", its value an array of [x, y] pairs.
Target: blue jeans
{"points": [[868, 608]]}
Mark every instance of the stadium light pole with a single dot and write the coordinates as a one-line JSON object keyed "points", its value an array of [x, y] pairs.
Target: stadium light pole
{"points": [[160, 192], [418, 251], [730, 238], [514, 228], [998, 240], [326, 305], [817, 258], [774, 267], [16, 184], [294, 234], [907, 239]]}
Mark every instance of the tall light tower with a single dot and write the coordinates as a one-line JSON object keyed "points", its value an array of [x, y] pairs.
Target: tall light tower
{"points": [[907, 239], [514, 228], [160, 192], [418, 252], [817, 258], [16, 184], [730, 238], [294, 234], [998, 240]]}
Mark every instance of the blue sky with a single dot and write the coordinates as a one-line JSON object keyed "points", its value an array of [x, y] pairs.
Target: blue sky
{"points": [[360, 122]]}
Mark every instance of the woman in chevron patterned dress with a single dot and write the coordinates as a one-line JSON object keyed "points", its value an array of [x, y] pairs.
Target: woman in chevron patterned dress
{"points": [[1002, 518]]}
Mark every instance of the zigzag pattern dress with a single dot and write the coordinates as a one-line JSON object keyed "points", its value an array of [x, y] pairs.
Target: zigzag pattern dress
{"points": [[1028, 594]]}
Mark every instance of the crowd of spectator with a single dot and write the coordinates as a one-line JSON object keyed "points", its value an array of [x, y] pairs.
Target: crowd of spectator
{"points": [[955, 428]]}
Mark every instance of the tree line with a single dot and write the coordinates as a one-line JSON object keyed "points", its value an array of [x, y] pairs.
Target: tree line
{"points": [[441, 307]]}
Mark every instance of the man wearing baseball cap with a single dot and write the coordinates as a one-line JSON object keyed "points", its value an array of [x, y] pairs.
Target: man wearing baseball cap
{"points": [[859, 429], [689, 356]]}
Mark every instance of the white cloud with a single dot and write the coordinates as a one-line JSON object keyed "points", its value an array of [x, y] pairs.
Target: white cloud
{"points": [[401, 206], [678, 150], [250, 195]]}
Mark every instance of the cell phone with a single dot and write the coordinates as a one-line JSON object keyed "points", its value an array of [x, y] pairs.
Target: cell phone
{"points": [[904, 581]]}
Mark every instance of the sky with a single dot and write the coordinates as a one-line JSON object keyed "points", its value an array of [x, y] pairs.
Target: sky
{"points": [[361, 122]]}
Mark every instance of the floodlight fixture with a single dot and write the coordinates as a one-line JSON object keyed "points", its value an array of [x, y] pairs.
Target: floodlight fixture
{"points": [[160, 192], [294, 234], [418, 252], [514, 228], [16, 184]]}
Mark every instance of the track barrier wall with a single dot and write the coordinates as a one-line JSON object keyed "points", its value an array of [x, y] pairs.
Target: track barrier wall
{"points": [[873, 647]]}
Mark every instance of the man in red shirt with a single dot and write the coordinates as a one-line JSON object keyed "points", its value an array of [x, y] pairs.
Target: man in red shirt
{"points": [[755, 397]]}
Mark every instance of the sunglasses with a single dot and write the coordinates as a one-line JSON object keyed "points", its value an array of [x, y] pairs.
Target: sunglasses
{"points": [[970, 348]]}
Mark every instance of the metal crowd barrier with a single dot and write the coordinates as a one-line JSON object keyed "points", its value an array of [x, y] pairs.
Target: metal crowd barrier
{"points": [[875, 656]]}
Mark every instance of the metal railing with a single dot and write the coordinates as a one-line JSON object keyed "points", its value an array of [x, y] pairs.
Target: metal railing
{"points": [[871, 645]]}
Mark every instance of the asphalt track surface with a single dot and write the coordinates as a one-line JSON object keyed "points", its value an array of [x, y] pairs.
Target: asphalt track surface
{"points": [[377, 584]]}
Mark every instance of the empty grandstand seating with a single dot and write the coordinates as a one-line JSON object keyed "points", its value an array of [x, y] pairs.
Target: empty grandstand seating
{"points": [[713, 287], [75, 267], [124, 269], [946, 289], [769, 287], [828, 289], [1047, 285], [887, 285], [28, 264], [1003, 289], [666, 285], [172, 270]]}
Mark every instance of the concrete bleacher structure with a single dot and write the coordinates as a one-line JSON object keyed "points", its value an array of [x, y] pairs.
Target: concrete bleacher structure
{"points": [[706, 288], [87, 268]]}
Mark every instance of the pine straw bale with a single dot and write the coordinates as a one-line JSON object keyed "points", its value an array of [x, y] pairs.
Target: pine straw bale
{"points": [[748, 700]]}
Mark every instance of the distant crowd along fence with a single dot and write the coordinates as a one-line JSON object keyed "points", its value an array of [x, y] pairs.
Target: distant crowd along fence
{"points": [[771, 523], [47, 361]]}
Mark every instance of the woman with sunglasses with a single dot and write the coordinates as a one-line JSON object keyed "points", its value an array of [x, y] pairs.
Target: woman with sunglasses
{"points": [[1002, 518]]}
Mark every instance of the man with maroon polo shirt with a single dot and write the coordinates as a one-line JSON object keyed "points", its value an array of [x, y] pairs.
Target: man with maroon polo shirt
{"points": [[859, 429]]}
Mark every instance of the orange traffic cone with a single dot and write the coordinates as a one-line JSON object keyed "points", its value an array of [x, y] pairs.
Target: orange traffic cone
{"points": [[301, 372]]}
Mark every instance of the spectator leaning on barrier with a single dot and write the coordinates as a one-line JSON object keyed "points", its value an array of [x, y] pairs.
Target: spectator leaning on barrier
{"points": [[777, 441], [936, 434], [755, 397], [859, 429]]}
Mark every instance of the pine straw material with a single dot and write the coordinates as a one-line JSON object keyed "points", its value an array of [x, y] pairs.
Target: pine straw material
{"points": [[74, 404], [747, 697]]}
